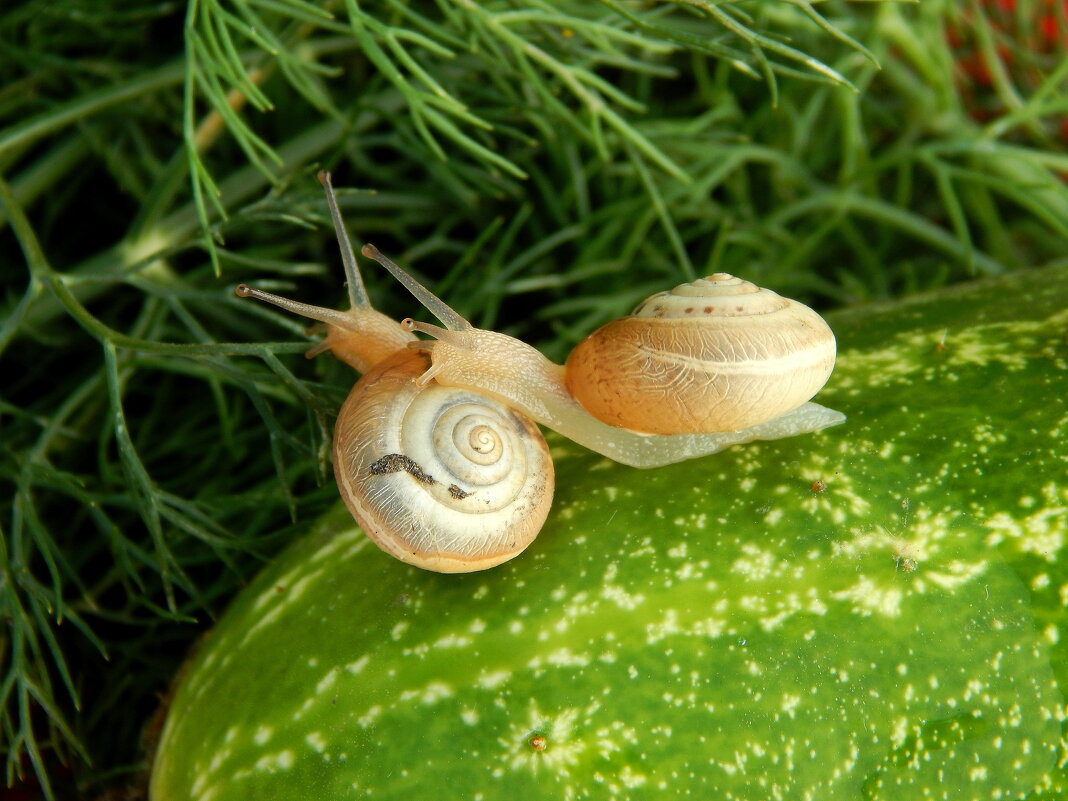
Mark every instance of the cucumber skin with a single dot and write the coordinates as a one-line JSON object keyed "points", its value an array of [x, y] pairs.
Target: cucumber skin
{"points": [[722, 628]]}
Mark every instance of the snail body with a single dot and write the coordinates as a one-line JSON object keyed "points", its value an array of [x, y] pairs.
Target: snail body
{"points": [[728, 379], [436, 452]]}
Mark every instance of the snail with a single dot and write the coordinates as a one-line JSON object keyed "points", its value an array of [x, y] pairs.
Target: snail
{"points": [[442, 478], [692, 371]]}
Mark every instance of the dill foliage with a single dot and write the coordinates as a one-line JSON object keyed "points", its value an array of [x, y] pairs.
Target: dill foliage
{"points": [[159, 438]]}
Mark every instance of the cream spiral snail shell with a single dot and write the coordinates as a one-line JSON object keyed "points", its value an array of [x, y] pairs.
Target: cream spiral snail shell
{"points": [[444, 484], [439, 477]]}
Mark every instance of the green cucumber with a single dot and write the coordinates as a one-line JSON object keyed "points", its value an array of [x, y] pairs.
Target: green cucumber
{"points": [[874, 611]]}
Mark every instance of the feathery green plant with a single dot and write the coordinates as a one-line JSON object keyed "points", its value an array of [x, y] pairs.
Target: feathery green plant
{"points": [[157, 437]]}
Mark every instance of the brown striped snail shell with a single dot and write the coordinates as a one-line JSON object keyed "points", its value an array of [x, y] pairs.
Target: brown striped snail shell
{"points": [[717, 354]]}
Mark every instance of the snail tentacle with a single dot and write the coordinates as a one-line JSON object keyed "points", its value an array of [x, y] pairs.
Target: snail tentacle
{"points": [[322, 314], [353, 279], [449, 318]]}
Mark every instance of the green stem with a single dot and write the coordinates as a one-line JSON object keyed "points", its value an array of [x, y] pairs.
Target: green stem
{"points": [[54, 119]]}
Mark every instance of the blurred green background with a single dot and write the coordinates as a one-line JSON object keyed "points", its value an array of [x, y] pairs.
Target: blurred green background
{"points": [[159, 438]]}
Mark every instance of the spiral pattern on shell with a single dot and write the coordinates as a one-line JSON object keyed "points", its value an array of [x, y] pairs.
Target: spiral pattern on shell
{"points": [[715, 355], [441, 478]]}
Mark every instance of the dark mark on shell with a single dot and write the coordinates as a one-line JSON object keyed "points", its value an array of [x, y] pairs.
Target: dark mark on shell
{"points": [[397, 463]]}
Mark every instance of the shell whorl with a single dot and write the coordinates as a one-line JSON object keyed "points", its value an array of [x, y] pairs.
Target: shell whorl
{"points": [[715, 355], [439, 477], [719, 295]]}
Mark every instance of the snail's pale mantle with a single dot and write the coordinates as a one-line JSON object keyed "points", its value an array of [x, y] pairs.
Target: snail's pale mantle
{"points": [[694, 370]]}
